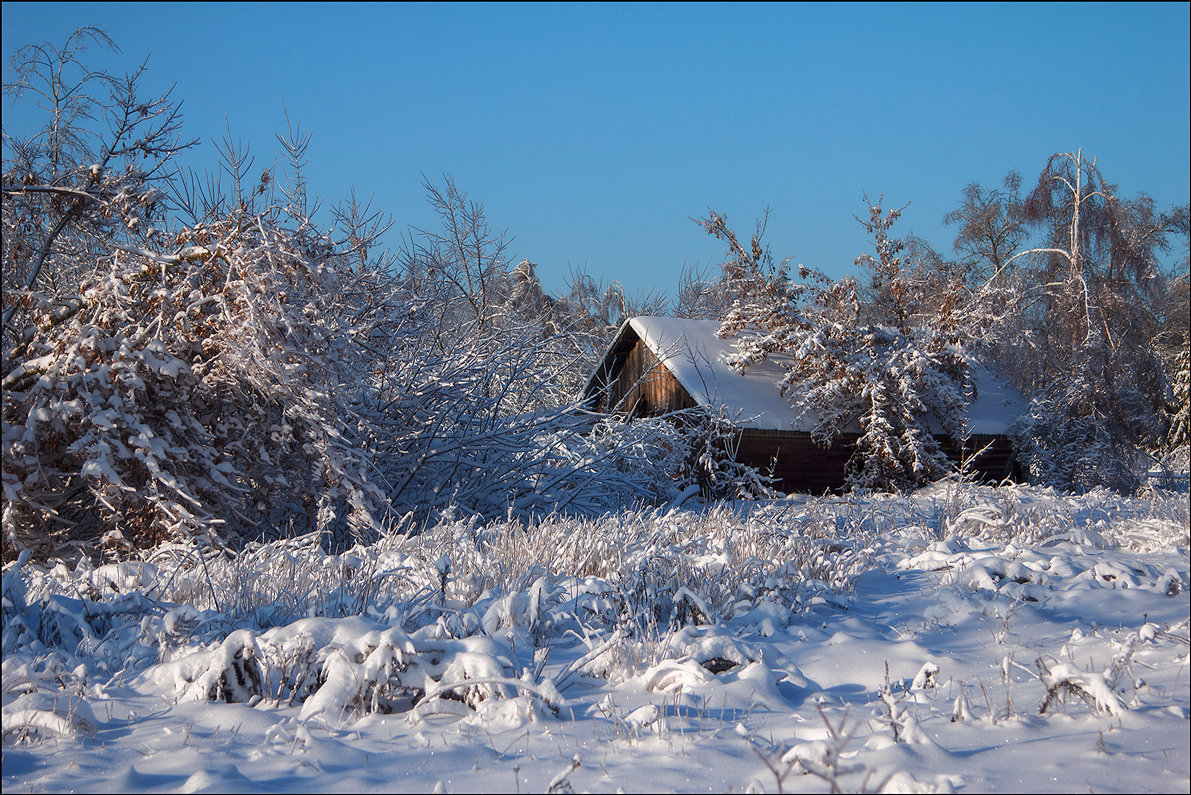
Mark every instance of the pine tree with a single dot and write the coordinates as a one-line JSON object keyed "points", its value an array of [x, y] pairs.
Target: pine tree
{"points": [[887, 353]]}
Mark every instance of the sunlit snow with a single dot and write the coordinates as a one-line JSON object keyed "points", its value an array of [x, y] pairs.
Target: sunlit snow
{"points": [[963, 639]]}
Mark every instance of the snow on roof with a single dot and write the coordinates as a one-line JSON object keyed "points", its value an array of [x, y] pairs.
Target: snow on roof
{"points": [[694, 353]]}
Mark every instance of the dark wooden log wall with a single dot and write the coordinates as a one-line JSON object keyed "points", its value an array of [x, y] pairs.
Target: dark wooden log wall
{"points": [[643, 386], [803, 466]]}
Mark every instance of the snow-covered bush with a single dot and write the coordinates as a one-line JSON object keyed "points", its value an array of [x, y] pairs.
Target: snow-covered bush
{"points": [[95, 170], [1069, 444], [162, 381], [468, 399], [712, 440], [181, 396], [1180, 405]]}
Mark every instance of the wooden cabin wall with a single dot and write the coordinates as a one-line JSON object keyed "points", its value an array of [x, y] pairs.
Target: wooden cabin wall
{"points": [[992, 465], [644, 387], [803, 466]]}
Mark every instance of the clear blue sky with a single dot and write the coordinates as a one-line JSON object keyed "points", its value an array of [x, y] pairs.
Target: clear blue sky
{"points": [[593, 133]]}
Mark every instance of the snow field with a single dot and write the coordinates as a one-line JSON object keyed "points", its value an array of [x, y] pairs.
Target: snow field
{"points": [[959, 639]]}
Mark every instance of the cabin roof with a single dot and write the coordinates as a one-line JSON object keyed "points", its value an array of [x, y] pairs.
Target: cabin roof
{"points": [[695, 354]]}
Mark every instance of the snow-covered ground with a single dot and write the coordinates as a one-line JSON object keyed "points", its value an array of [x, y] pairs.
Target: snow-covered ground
{"points": [[964, 639]]}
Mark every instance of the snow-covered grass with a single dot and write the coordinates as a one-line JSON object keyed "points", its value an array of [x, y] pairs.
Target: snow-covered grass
{"points": [[961, 638]]}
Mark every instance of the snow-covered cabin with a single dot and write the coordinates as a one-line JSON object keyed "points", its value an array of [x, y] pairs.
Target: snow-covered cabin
{"points": [[656, 365]]}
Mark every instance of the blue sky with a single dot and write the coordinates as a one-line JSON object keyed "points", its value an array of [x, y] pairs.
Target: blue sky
{"points": [[593, 133]]}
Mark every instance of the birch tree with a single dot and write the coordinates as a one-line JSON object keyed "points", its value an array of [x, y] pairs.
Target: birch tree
{"points": [[1092, 314]]}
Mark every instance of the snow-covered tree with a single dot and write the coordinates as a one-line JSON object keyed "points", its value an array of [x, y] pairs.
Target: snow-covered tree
{"points": [[886, 354], [991, 228], [1079, 320], [1089, 311], [93, 173], [472, 405], [165, 380]]}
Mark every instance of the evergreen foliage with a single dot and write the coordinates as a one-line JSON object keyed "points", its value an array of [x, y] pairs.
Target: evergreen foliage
{"points": [[886, 354]]}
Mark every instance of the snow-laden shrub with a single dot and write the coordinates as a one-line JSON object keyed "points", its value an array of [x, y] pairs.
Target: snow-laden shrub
{"points": [[715, 649], [1179, 407], [713, 440], [1065, 681], [364, 675], [40, 715], [230, 673], [1070, 444], [181, 396], [465, 430]]}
